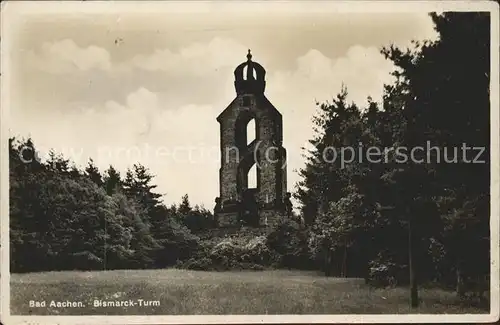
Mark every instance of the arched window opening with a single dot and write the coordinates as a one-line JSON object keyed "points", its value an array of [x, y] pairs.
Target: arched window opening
{"points": [[252, 177], [251, 131], [245, 73]]}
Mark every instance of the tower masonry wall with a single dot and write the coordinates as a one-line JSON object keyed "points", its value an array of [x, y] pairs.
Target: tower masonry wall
{"points": [[239, 154]]}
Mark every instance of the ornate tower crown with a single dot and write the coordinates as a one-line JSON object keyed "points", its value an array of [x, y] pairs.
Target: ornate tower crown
{"points": [[249, 77]]}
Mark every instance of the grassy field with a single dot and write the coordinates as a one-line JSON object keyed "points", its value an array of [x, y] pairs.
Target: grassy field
{"points": [[177, 292]]}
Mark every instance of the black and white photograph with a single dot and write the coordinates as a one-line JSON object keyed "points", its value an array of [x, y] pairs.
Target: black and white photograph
{"points": [[249, 162]]}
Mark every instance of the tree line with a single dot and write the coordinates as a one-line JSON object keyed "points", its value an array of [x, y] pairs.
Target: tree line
{"points": [[62, 217], [427, 218]]}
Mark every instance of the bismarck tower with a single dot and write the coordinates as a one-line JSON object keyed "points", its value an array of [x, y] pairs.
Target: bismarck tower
{"points": [[237, 202]]}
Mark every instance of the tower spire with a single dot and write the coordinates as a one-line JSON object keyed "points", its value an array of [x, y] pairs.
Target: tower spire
{"points": [[249, 77]]}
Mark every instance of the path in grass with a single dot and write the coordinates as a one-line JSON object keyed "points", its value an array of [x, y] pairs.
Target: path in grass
{"points": [[178, 292]]}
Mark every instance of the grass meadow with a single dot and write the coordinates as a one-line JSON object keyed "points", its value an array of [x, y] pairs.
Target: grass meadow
{"points": [[182, 292]]}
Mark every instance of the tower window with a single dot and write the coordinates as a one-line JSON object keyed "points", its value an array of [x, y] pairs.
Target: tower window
{"points": [[246, 101], [252, 177], [249, 75], [251, 131]]}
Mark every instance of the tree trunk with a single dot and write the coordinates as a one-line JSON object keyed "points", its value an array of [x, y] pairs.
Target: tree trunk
{"points": [[328, 262], [412, 261], [460, 282], [344, 262]]}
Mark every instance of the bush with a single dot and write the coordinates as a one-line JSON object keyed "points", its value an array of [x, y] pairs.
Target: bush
{"points": [[474, 290], [233, 253], [177, 244], [251, 267], [230, 253], [385, 274], [83, 261], [258, 252], [202, 264], [290, 240]]}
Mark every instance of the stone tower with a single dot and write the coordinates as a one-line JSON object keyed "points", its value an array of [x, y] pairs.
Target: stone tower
{"points": [[239, 154]]}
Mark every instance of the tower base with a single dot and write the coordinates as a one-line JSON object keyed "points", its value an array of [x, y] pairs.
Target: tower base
{"points": [[267, 218]]}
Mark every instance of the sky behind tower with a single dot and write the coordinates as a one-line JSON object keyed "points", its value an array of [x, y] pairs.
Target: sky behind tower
{"points": [[123, 87]]}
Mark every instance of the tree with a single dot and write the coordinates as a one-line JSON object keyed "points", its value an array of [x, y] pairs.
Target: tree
{"points": [[63, 218], [185, 206], [417, 204], [112, 180], [93, 173], [450, 77], [57, 220], [321, 182], [137, 184]]}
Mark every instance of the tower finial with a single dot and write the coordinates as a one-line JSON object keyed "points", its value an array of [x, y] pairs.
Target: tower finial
{"points": [[249, 55]]}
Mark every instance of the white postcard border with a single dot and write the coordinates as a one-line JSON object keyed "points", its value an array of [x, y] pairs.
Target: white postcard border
{"points": [[13, 11]]}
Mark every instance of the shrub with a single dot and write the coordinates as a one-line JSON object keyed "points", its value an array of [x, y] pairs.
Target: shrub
{"points": [[177, 244], [474, 290], [251, 267], [385, 273], [201, 264], [233, 253], [290, 240], [84, 261], [258, 251]]}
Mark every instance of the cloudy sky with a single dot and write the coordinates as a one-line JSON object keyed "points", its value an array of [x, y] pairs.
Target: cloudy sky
{"points": [[124, 88]]}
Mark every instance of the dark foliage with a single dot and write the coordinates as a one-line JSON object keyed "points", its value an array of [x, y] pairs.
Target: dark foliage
{"points": [[64, 219], [425, 218], [290, 240]]}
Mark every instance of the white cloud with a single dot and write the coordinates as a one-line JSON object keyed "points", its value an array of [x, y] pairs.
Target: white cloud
{"points": [[66, 56], [362, 70], [317, 77], [195, 59], [179, 145]]}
